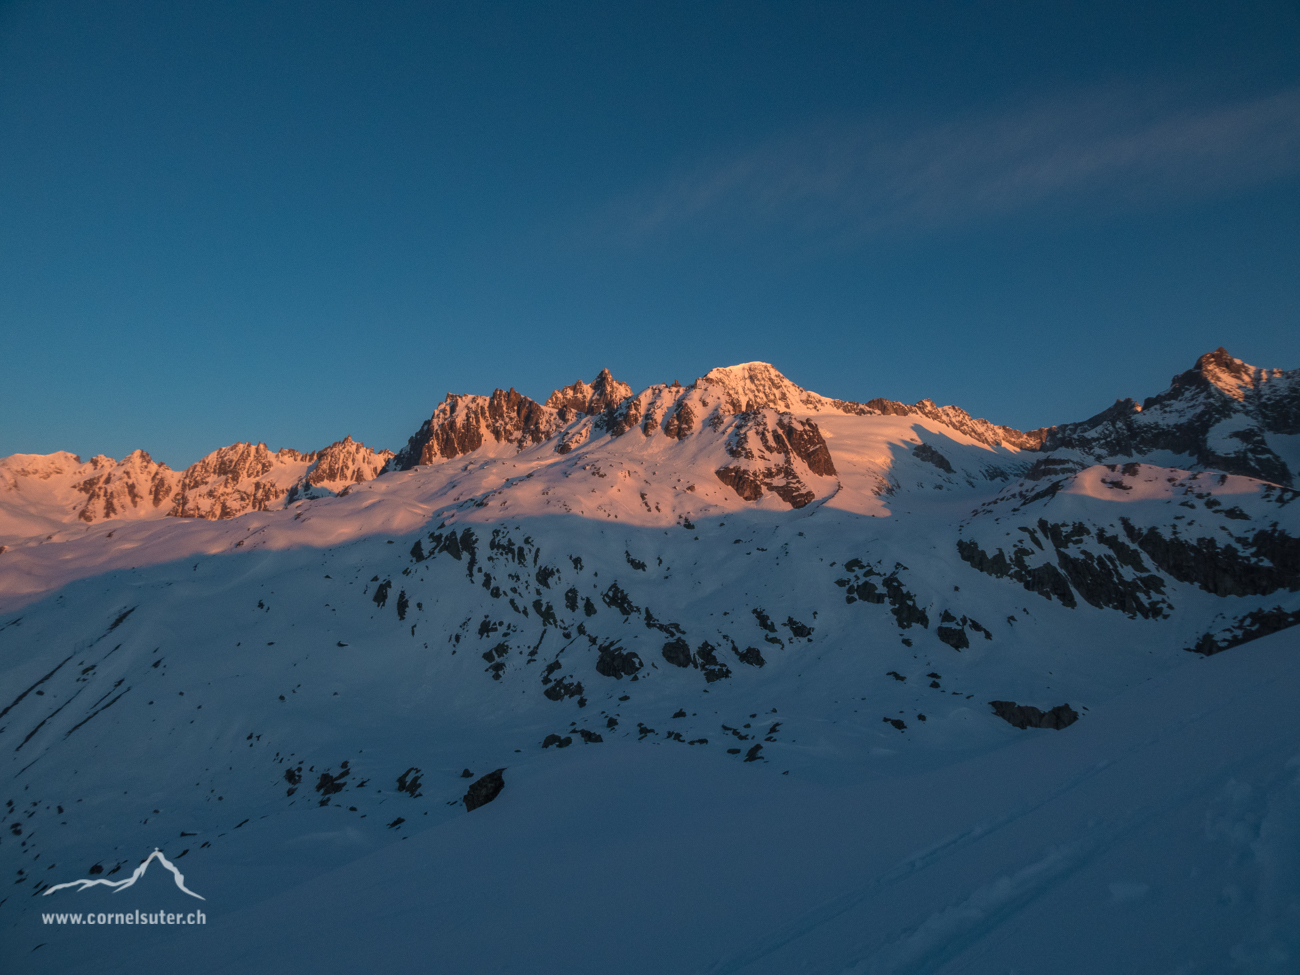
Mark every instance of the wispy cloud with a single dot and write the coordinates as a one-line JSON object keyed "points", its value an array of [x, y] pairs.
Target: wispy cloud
{"points": [[852, 180]]}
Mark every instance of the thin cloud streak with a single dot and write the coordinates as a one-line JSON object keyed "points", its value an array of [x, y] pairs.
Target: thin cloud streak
{"points": [[859, 180]]}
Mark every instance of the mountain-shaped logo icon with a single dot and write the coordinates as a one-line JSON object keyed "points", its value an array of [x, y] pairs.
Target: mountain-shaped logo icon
{"points": [[121, 885]]}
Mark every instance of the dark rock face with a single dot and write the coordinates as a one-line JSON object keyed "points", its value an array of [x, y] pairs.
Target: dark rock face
{"points": [[1046, 580], [1026, 716], [227, 483], [954, 636], [409, 782], [765, 445], [680, 422], [1217, 389], [346, 460], [1046, 467], [1251, 626], [751, 656], [713, 668], [797, 629], [744, 483], [484, 790], [677, 652], [860, 586], [562, 688], [462, 423], [604, 393], [618, 420], [616, 662], [1225, 570], [616, 598], [931, 456]]}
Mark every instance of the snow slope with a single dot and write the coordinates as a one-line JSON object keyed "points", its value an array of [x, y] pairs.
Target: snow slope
{"points": [[646, 610], [1159, 835]]}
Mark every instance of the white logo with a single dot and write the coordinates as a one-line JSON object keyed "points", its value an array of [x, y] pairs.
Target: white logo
{"points": [[121, 885]]}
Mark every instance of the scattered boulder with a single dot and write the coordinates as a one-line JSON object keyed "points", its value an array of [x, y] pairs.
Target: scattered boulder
{"points": [[616, 662], [677, 652], [484, 790]]}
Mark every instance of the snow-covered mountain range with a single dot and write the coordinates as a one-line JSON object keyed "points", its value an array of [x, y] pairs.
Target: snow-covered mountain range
{"points": [[276, 658]]}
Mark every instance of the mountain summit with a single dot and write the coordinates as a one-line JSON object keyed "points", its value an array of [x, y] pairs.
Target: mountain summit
{"points": [[1222, 414]]}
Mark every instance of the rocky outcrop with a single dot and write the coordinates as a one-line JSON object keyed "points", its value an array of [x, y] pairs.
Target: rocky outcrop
{"points": [[925, 452], [346, 462], [775, 452], [233, 481], [1256, 565], [1219, 413], [462, 424], [616, 662], [226, 483], [680, 422], [484, 790], [753, 386], [1251, 626], [1024, 716], [1046, 580], [605, 392], [1100, 567], [117, 488], [977, 429], [246, 477]]}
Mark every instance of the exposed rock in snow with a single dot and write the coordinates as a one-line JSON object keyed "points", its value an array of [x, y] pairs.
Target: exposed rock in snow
{"points": [[345, 463], [463, 424], [237, 479], [838, 589], [484, 790], [950, 416], [1221, 414], [1024, 716], [604, 392], [776, 452]]}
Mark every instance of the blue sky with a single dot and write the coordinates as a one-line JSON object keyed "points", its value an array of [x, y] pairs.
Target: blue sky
{"points": [[288, 222]]}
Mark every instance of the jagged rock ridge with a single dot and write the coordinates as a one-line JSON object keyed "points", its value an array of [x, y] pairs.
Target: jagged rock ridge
{"points": [[1222, 414]]}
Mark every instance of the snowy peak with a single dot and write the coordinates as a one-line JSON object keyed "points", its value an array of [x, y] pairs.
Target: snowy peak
{"points": [[114, 488], [463, 423], [760, 386], [1230, 376], [1222, 414], [604, 392], [41, 492], [236, 479], [347, 462]]}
